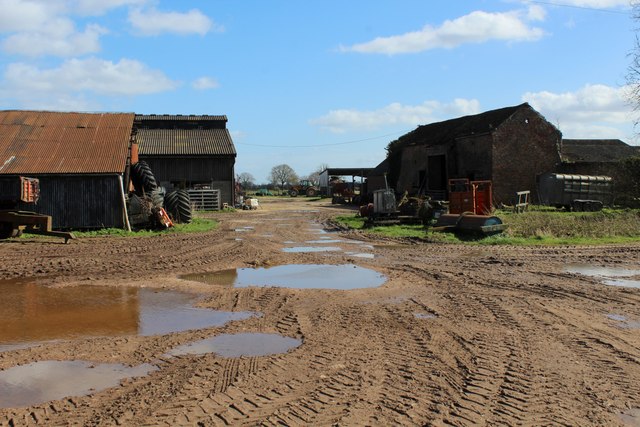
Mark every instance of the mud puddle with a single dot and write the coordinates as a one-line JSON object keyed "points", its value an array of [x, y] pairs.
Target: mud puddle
{"points": [[614, 276], [33, 314], [631, 417], [298, 276], [40, 382], [623, 322], [424, 316], [306, 249], [238, 345]]}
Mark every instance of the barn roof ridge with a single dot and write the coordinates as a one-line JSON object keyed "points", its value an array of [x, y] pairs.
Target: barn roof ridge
{"points": [[437, 133]]}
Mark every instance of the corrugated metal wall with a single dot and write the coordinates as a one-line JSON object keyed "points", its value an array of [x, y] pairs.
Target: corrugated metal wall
{"points": [[76, 201], [205, 170]]}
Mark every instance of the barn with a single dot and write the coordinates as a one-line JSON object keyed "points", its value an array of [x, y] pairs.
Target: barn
{"points": [[595, 156], [79, 158], [188, 151], [510, 146]]}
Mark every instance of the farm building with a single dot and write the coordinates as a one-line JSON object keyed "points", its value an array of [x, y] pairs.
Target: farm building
{"points": [[509, 146], [594, 156], [186, 151], [79, 158]]}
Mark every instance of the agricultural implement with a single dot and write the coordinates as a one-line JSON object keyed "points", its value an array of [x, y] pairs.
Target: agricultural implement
{"points": [[14, 222], [470, 223]]}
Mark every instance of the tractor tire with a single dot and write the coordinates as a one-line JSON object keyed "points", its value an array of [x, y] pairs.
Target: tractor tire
{"points": [[171, 205], [311, 192], [143, 179], [293, 193], [184, 207]]}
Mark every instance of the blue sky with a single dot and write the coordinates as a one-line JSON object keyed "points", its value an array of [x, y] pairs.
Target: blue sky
{"points": [[308, 83]]}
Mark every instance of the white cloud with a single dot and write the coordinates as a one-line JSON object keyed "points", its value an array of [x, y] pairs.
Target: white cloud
{"points": [[594, 111], [24, 15], [57, 37], [205, 83], [476, 27], [152, 22], [339, 121], [29, 85]]}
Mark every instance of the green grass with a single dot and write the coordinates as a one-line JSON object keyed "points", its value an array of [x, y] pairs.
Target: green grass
{"points": [[539, 226], [198, 225]]}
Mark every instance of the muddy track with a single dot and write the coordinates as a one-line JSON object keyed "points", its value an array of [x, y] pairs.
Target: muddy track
{"points": [[459, 335]]}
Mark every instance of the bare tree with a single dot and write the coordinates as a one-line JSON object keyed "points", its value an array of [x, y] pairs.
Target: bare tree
{"points": [[282, 175], [246, 180], [314, 176], [633, 71]]}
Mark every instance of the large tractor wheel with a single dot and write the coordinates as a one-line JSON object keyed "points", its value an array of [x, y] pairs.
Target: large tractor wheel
{"points": [[293, 193], [311, 192], [171, 205], [184, 206], [142, 177]]}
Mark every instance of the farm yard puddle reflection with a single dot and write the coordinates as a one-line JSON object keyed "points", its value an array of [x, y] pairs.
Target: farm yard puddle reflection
{"points": [[424, 315], [305, 249], [238, 345], [624, 322], [34, 314], [614, 276], [631, 417], [298, 276], [40, 382]]}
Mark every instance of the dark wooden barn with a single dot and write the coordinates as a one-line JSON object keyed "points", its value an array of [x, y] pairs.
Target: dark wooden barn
{"points": [[79, 158], [186, 151], [509, 146]]}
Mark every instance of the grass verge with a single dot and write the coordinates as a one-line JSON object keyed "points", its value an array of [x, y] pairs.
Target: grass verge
{"points": [[539, 226], [198, 225]]}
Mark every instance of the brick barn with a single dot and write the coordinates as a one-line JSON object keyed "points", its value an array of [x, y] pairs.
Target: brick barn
{"points": [[510, 146]]}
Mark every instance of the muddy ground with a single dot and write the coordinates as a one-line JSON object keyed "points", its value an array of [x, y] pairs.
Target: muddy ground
{"points": [[458, 335]]}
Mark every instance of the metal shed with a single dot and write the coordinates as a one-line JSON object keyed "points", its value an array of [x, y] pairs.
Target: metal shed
{"points": [[79, 158], [188, 151]]}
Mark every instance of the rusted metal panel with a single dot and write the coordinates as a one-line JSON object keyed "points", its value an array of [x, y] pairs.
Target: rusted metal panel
{"points": [[172, 142], [45, 142]]}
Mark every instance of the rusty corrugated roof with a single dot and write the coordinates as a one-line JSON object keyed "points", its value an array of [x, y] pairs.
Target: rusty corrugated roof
{"points": [[172, 142], [47, 142]]}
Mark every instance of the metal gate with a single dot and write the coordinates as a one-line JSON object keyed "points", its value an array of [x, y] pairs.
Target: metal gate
{"points": [[205, 200]]}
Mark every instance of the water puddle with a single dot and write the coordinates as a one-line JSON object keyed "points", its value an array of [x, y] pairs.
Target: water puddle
{"points": [[41, 382], [614, 276], [631, 418], [624, 322], [243, 229], [238, 345], [425, 315], [305, 249], [318, 231], [298, 276], [33, 314], [361, 255], [322, 241]]}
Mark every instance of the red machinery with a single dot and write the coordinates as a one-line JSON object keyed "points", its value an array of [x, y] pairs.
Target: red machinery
{"points": [[470, 196]]}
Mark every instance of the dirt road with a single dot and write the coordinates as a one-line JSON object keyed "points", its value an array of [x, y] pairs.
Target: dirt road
{"points": [[458, 335]]}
